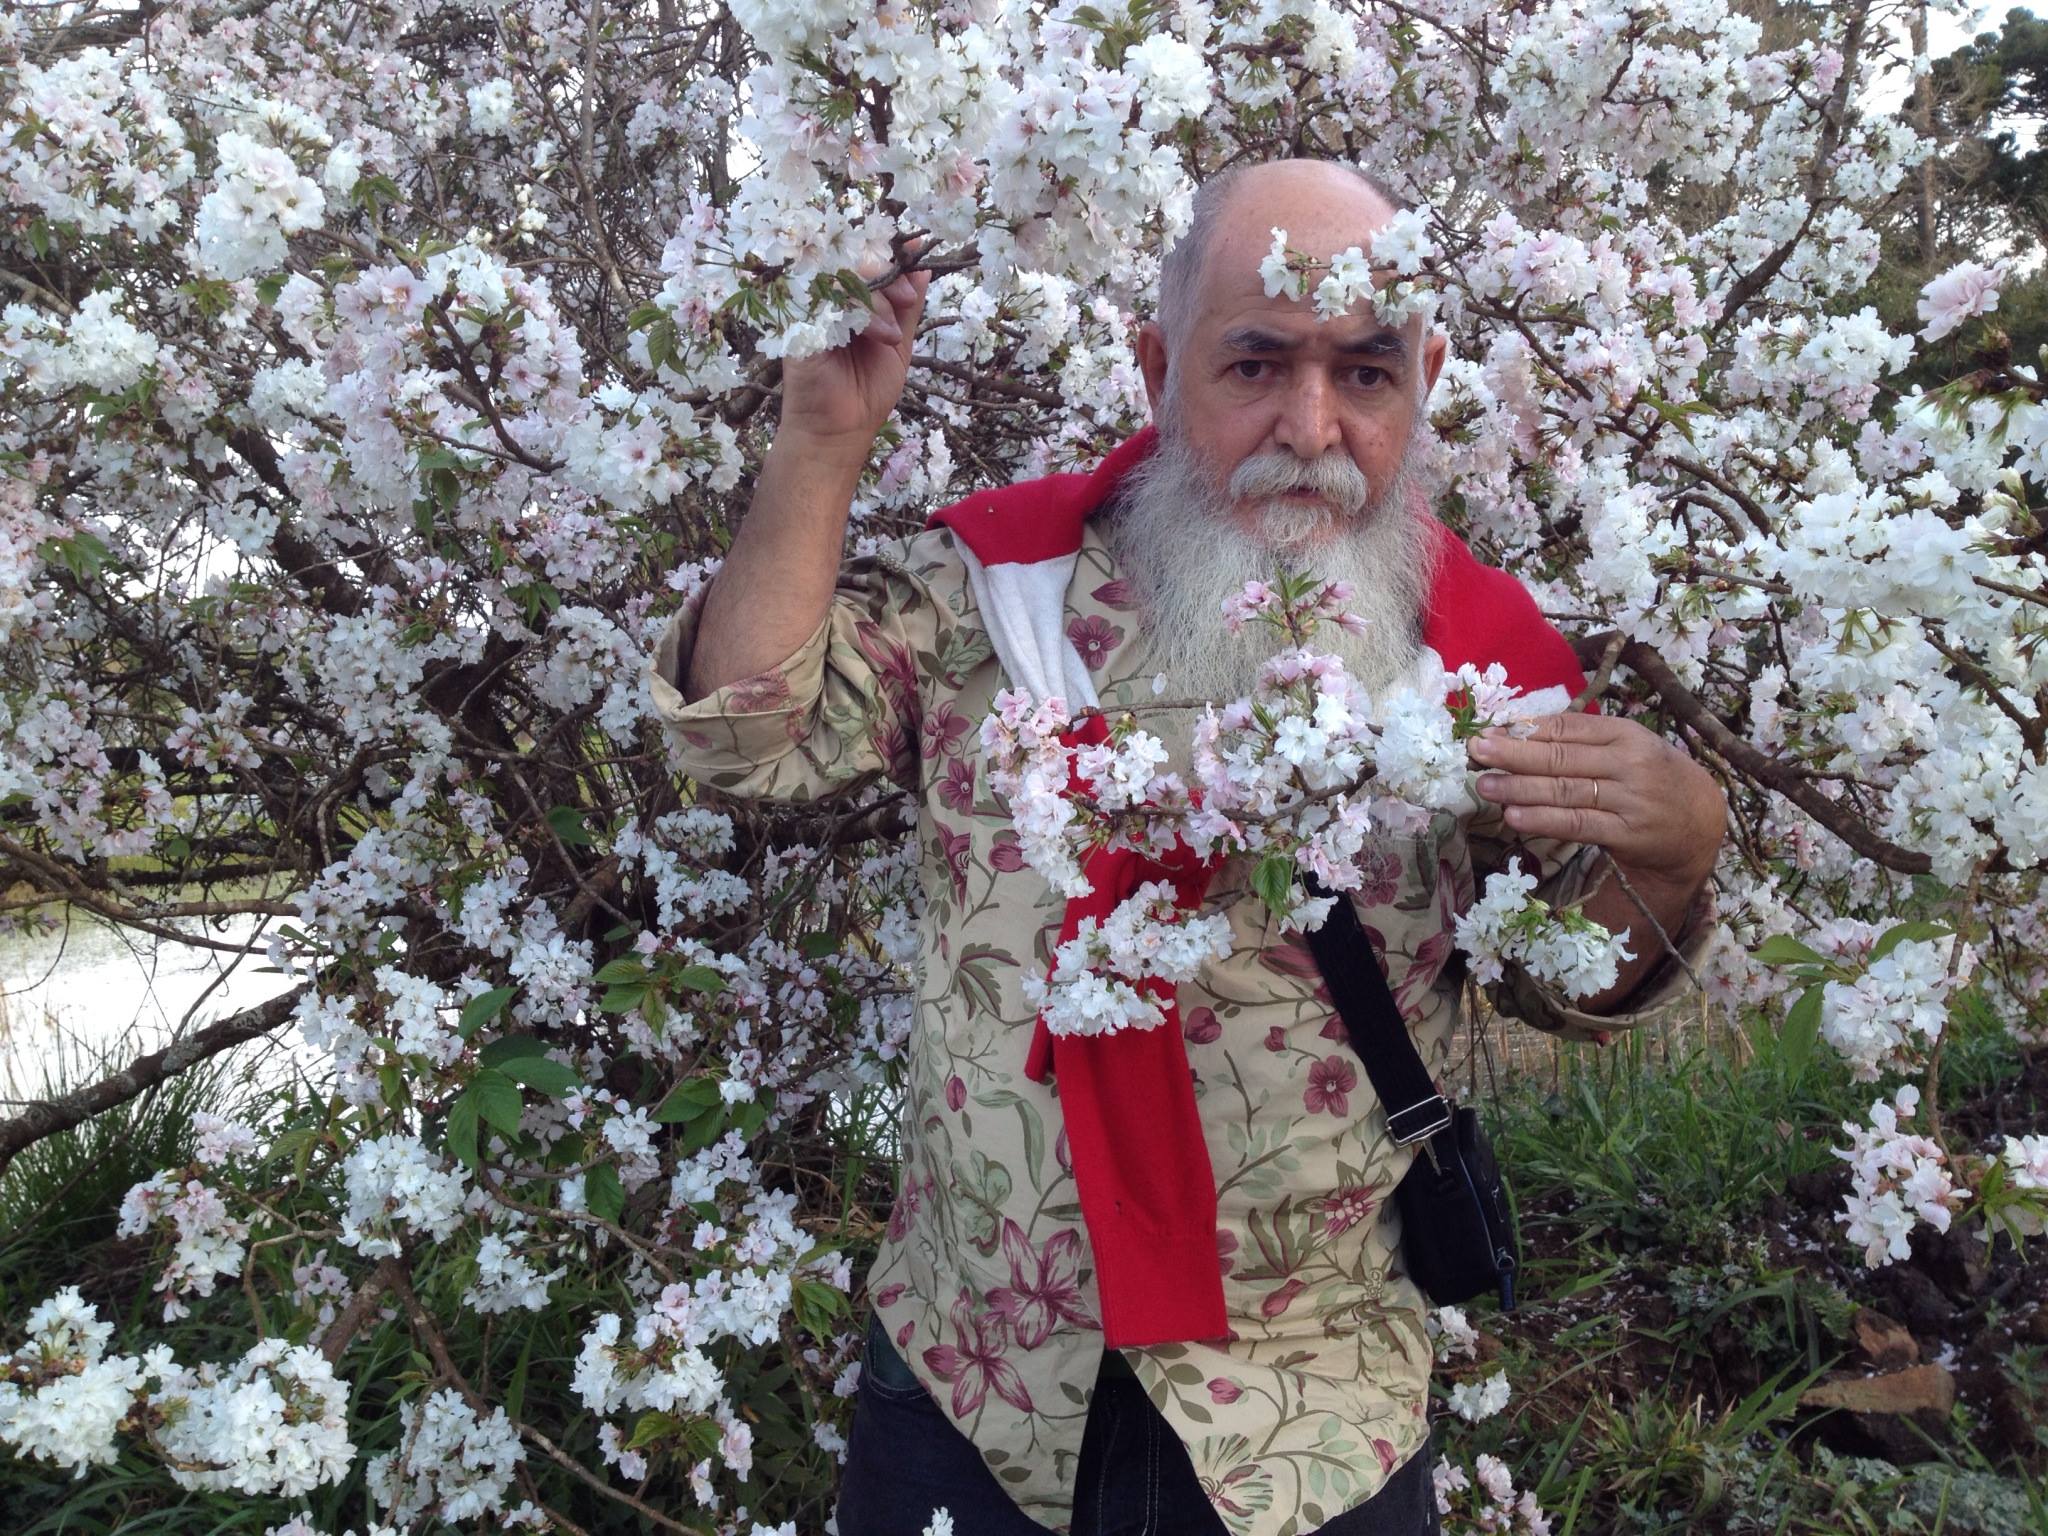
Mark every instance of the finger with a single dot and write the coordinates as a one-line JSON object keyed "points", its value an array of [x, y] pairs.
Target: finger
{"points": [[903, 296], [1566, 824], [1552, 757], [1544, 789], [884, 327], [1568, 725]]}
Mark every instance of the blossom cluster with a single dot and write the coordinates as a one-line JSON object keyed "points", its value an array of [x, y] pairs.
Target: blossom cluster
{"points": [[1899, 1179], [1400, 248], [2023, 1169], [273, 1422], [209, 1242], [1096, 981], [1510, 924], [1894, 1010], [1485, 1500], [455, 1464], [1280, 774], [1473, 1401]]}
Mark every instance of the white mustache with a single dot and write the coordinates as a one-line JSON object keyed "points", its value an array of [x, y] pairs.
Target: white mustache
{"points": [[1332, 476]]}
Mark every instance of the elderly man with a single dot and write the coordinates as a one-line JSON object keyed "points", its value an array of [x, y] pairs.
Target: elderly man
{"points": [[1282, 438]]}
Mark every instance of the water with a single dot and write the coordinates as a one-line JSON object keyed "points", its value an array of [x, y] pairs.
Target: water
{"points": [[88, 997]]}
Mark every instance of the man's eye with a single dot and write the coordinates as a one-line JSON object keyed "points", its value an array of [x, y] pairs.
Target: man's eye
{"points": [[1249, 367], [1369, 378]]}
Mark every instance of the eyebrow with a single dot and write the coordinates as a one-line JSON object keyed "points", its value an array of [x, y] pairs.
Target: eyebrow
{"points": [[1389, 345]]}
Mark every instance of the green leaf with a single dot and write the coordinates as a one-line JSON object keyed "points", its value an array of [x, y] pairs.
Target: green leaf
{"points": [[701, 978], [1894, 936], [510, 1048], [1272, 880], [1802, 1028], [543, 1075], [1676, 415], [497, 1100], [817, 1306], [625, 968], [460, 1136], [533, 597], [650, 1427], [515, 1392], [700, 1438], [622, 999], [661, 342], [688, 1100], [271, 287], [603, 1193], [373, 189], [1783, 949], [568, 824], [816, 945], [82, 554], [484, 1007]]}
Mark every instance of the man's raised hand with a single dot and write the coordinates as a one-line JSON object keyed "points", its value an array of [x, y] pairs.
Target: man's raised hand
{"points": [[833, 403], [1608, 781], [778, 578]]}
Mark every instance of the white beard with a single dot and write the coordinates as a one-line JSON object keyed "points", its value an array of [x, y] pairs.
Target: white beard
{"points": [[1171, 535]]}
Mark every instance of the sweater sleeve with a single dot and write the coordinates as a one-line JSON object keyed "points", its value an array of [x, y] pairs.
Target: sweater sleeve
{"points": [[839, 712]]}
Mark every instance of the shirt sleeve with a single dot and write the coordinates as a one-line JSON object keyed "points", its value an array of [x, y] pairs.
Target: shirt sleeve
{"points": [[1564, 872], [840, 711]]}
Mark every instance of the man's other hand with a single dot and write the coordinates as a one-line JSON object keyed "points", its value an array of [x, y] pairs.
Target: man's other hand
{"points": [[1608, 781]]}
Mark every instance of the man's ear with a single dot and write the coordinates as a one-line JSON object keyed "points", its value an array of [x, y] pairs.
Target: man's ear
{"points": [[1151, 350], [1434, 350]]}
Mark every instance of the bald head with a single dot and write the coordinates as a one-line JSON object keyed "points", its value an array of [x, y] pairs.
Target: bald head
{"points": [[1325, 206]]}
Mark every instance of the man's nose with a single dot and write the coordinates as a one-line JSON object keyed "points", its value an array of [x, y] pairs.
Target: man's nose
{"points": [[1308, 425]]}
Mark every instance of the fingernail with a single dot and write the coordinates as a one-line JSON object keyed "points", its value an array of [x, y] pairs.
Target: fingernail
{"points": [[1480, 748], [1489, 784]]}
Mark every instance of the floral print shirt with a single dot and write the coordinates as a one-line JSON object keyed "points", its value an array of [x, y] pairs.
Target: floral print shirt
{"points": [[984, 1279]]}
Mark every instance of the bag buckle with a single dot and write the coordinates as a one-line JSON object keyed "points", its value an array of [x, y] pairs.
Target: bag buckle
{"points": [[1419, 1120]]}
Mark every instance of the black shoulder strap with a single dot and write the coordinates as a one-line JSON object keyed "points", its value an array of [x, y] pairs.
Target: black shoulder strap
{"points": [[1373, 1021]]}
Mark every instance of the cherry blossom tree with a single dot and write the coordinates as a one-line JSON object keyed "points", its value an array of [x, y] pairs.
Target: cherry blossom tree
{"points": [[377, 377]]}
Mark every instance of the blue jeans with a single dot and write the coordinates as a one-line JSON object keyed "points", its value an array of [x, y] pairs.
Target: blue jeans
{"points": [[904, 1459]]}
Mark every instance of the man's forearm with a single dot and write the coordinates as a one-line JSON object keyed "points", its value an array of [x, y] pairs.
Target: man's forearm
{"points": [[779, 575], [1615, 909]]}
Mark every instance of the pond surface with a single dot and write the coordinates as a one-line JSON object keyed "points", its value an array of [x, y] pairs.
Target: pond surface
{"points": [[87, 997]]}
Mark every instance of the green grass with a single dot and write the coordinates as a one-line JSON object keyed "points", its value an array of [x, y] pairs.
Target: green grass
{"points": [[1682, 1291], [60, 1197]]}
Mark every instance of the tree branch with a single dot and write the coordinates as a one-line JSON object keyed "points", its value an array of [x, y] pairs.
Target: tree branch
{"points": [[342, 1331], [1751, 761], [49, 1116]]}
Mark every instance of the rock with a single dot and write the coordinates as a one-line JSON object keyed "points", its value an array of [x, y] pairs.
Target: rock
{"points": [[1916, 1389], [1896, 1415], [1883, 1342], [1911, 1296]]}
